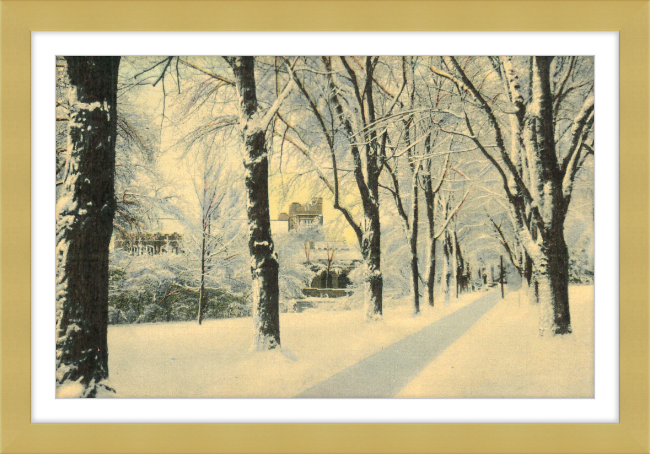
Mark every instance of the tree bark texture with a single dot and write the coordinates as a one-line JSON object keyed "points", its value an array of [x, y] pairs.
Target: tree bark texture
{"points": [[415, 199], [371, 252], [529, 280], [447, 268], [454, 265], [413, 240], [430, 194], [264, 263], [550, 255], [429, 197], [85, 212], [552, 289]]}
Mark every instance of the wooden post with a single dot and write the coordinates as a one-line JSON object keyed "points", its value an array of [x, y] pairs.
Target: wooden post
{"points": [[501, 276]]}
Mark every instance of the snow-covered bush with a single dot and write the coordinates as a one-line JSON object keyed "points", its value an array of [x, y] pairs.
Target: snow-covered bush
{"points": [[116, 316], [152, 313], [182, 312], [145, 289], [357, 278], [581, 267], [396, 258], [131, 316], [295, 273]]}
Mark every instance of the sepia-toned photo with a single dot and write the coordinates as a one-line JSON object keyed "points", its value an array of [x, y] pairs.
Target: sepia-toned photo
{"points": [[325, 227]]}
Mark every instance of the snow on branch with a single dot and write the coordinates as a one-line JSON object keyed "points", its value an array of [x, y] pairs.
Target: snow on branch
{"points": [[579, 131], [270, 113], [466, 85], [506, 245], [205, 71], [451, 216]]}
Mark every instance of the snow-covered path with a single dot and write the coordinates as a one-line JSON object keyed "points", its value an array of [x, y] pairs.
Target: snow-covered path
{"points": [[386, 372]]}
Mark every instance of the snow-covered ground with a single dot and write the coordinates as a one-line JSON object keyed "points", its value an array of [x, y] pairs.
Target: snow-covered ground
{"points": [[183, 359], [502, 356]]}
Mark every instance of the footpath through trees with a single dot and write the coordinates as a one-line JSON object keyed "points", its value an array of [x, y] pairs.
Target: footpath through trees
{"points": [[386, 372]]}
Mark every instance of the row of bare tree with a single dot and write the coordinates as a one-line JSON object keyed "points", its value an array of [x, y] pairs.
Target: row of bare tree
{"points": [[514, 130]]}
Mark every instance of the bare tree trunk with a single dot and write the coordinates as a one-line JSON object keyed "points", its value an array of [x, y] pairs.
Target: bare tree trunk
{"points": [[202, 289], [410, 222], [410, 228], [85, 212], [413, 240], [552, 276], [529, 279], [369, 235], [550, 257], [431, 272], [330, 259], [430, 200], [264, 263], [447, 269], [502, 275], [453, 257], [459, 262], [371, 251], [415, 198], [372, 233]]}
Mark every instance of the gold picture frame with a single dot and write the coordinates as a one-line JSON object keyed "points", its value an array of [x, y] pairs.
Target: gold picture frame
{"points": [[19, 18]]}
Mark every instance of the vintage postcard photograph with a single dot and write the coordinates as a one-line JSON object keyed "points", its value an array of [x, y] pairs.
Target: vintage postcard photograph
{"points": [[325, 226]]}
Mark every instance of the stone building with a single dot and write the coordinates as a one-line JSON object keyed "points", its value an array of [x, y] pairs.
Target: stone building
{"points": [[148, 243], [304, 216], [162, 236]]}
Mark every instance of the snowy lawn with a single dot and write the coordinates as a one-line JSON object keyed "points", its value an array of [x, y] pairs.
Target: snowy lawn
{"points": [[183, 359], [502, 356]]}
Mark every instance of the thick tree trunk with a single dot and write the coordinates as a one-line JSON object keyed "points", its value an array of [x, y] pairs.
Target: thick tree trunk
{"points": [[85, 213], [264, 263], [374, 292], [550, 257], [552, 275], [371, 251]]}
